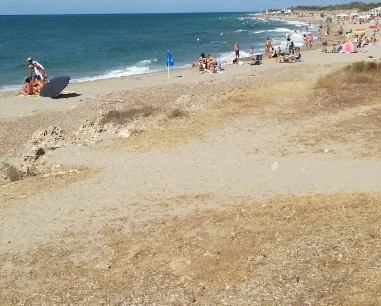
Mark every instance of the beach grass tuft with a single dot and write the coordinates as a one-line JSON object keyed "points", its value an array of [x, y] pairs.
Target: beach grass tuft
{"points": [[12, 173], [361, 66], [177, 113], [125, 116], [354, 84]]}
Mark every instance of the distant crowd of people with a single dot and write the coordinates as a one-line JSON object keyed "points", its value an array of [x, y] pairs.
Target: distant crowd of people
{"points": [[36, 79]]}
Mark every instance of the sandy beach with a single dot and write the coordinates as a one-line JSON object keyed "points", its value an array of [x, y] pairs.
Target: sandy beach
{"points": [[245, 187]]}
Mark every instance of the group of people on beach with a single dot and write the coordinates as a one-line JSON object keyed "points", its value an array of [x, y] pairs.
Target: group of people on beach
{"points": [[209, 64], [36, 79], [206, 64]]}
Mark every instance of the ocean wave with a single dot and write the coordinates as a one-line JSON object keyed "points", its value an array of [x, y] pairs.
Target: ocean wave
{"points": [[254, 18], [258, 32], [280, 30], [10, 88], [133, 70], [295, 22], [147, 62]]}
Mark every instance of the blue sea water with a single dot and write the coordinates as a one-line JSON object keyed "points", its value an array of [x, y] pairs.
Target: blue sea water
{"points": [[90, 47]]}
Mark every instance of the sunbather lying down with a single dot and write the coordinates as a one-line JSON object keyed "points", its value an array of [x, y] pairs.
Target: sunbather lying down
{"points": [[289, 58]]}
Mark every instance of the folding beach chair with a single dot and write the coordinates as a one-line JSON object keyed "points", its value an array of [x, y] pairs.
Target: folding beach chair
{"points": [[257, 59]]}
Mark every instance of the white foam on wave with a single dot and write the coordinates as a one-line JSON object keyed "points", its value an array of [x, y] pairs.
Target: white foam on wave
{"points": [[254, 18], [280, 30], [282, 43], [10, 88], [258, 32], [116, 74], [229, 56], [295, 22], [147, 62], [140, 67]]}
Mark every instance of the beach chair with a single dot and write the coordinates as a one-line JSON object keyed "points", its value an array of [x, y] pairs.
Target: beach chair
{"points": [[257, 59]]}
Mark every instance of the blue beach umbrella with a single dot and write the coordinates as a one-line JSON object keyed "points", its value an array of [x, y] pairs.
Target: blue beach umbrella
{"points": [[53, 87], [170, 61]]}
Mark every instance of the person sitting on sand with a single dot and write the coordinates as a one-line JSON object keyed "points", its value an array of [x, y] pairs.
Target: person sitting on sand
{"points": [[212, 62], [290, 58], [38, 84], [340, 31], [273, 53], [196, 64], [203, 60], [336, 48], [27, 89]]}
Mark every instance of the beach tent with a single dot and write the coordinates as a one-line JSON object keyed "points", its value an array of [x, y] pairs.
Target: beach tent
{"points": [[347, 47]]}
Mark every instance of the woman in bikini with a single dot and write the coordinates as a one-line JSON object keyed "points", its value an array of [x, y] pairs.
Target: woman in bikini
{"points": [[267, 45]]}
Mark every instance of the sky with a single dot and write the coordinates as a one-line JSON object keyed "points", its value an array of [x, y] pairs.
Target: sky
{"points": [[22, 7]]}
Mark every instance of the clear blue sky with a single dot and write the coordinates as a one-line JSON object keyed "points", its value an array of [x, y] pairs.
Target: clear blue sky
{"points": [[8, 7]]}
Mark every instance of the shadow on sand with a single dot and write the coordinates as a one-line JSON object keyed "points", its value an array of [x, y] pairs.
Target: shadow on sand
{"points": [[67, 95]]}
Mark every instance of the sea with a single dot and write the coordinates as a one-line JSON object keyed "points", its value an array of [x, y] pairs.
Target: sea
{"points": [[93, 47]]}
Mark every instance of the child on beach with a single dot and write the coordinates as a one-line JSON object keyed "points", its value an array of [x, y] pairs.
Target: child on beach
{"points": [[27, 89]]}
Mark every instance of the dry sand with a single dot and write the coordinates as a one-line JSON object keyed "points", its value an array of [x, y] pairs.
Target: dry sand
{"points": [[239, 188]]}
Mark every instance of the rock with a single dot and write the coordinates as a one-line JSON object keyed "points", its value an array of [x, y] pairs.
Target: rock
{"points": [[125, 133], [48, 139], [275, 166], [34, 154]]}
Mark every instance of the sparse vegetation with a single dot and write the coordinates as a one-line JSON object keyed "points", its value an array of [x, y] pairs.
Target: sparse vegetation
{"points": [[355, 84], [355, 5], [125, 116], [362, 66], [12, 173], [177, 113]]}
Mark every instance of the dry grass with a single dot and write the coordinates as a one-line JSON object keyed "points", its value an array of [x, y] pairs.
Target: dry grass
{"points": [[12, 173], [195, 124], [318, 250], [177, 113], [125, 116], [283, 101], [354, 85], [31, 186], [364, 130], [351, 88]]}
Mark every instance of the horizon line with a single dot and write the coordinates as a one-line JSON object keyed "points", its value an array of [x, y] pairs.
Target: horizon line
{"points": [[128, 13]]}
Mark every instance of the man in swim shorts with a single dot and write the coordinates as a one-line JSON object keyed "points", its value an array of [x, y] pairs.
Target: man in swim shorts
{"points": [[236, 50], [324, 41]]}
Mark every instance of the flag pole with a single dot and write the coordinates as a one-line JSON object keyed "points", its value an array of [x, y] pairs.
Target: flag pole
{"points": [[170, 61]]}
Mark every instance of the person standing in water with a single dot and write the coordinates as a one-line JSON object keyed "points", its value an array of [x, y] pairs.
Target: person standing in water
{"points": [[236, 50]]}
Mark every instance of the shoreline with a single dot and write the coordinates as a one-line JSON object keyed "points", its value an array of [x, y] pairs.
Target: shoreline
{"points": [[105, 74]]}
